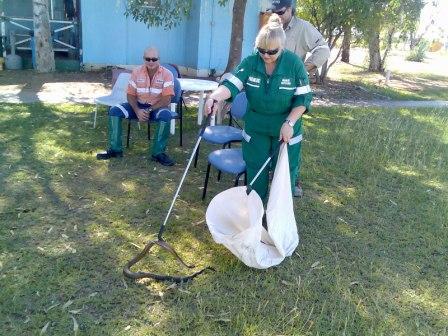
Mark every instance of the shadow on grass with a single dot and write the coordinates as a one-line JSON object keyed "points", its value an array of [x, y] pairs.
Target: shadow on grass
{"points": [[372, 257]]}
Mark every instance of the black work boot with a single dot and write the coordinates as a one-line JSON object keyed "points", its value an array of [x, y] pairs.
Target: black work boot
{"points": [[163, 159], [298, 190], [108, 154]]}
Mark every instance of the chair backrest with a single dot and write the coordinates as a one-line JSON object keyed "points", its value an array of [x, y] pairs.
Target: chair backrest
{"points": [[177, 92], [239, 106], [173, 69], [120, 87]]}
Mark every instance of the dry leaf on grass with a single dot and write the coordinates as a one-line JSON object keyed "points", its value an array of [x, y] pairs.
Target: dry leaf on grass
{"points": [[67, 304], [44, 329], [75, 325], [172, 286], [75, 311], [199, 222], [51, 307]]}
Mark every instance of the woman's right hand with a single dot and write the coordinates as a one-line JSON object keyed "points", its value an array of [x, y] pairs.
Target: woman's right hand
{"points": [[211, 106]]}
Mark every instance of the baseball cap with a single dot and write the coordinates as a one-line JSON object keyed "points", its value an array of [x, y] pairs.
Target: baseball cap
{"points": [[279, 4]]}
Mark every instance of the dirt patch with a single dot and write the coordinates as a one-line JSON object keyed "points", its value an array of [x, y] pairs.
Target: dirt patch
{"points": [[82, 87]]}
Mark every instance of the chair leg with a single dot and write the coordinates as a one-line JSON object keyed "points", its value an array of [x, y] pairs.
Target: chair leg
{"points": [[237, 179], [183, 102], [219, 175], [129, 134], [180, 128], [196, 156], [245, 178], [207, 174], [149, 131], [94, 116]]}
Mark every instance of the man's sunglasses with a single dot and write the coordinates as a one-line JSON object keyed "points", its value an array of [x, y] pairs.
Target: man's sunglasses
{"points": [[281, 12], [151, 59], [269, 52]]}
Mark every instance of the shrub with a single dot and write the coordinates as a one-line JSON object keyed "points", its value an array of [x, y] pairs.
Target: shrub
{"points": [[419, 52]]}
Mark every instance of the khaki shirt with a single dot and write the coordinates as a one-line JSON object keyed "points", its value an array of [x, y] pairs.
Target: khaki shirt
{"points": [[302, 37]]}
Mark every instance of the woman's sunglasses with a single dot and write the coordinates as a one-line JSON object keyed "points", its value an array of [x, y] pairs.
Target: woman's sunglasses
{"points": [[151, 59], [269, 52]]}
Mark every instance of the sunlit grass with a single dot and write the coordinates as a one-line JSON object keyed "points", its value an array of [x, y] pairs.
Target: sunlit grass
{"points": [[403, 85], [372, 224]]}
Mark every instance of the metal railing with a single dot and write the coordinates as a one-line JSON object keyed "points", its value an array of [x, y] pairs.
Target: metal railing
{"points": [[26, 24]]}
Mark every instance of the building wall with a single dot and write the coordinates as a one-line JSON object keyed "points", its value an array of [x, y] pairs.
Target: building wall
{"points": [[199, 43], [110, 38]]}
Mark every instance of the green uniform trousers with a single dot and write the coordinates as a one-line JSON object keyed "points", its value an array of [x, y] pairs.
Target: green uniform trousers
{"points": [[257, 147], [159, 142]]}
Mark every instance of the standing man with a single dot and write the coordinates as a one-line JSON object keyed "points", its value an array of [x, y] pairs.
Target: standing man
{"points": [[149, 94], [301, 38]]}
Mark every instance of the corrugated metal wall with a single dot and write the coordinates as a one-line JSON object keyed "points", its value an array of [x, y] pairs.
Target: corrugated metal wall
{"points": [[200, 42]]}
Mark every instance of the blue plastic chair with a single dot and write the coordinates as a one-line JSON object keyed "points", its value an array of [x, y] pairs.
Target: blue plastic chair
{"points": [[227, 160], [176, 73], [175, 115], [226, 134], [173, 68]]}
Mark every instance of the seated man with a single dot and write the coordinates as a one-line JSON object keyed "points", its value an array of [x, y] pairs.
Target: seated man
{"points": [[149, 94]]}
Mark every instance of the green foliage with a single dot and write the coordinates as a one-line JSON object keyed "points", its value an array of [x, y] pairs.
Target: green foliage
{"points": [[330, 16], [161, 13], [418, 54], [384, 15]]}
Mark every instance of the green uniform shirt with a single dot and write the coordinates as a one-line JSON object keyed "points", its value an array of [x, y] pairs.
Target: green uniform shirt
{"points": [[270, 98]]}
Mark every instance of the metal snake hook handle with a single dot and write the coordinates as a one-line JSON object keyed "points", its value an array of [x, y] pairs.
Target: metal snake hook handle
{"points": [[163, 244], [273, 153], [201, 133]]}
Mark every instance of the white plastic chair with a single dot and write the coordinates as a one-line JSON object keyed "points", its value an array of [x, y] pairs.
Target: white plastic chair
{"points": [[117, 96]]}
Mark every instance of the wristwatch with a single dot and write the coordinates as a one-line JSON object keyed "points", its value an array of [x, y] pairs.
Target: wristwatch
{"points": [[289, 122]]}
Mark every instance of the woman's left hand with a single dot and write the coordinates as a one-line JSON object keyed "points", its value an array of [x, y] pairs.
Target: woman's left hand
{"points": [[286, 133]]}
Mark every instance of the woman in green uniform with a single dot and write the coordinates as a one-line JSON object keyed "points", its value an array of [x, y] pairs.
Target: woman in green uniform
{"points": [[278, 94]]}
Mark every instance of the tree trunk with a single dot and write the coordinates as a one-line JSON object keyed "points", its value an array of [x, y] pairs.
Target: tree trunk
{"points": [[42, 37], [390, 35], [375, 64], [236, 39], [345, 56]]}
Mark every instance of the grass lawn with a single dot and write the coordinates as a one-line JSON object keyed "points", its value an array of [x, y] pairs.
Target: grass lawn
{"points": [[372, 259], [427, 80]]}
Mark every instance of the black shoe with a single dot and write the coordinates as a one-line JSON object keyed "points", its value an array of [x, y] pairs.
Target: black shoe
{"points": [[298, 191], [108, 154], [163, 159]]}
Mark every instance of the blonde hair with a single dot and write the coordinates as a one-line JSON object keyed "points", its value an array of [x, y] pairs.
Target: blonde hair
{"points": [[271, 34]]}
